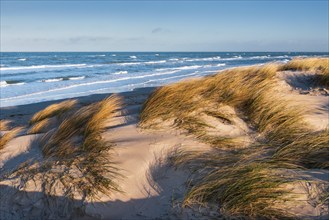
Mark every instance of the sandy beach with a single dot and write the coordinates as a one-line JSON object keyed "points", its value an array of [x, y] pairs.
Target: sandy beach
{"points": [[169, 142], [150, 187]]}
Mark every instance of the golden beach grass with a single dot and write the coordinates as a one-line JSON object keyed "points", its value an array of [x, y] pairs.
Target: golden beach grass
{"points": [[40, 126], [77, 142], [308, 64], [309, 151], [76, 156], [53, 110], [319, 65], [250, 90], [4, 125], [245, 188], [4, 139]]}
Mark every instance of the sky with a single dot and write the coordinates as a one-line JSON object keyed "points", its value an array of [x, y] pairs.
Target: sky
{"points": [[55, 25]]}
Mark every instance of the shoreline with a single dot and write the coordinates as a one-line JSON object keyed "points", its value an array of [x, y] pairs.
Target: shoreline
{"points": [[22, 113], [158, 140]]}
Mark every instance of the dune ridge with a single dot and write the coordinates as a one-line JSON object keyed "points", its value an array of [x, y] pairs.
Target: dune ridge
{"points": [[247, 142]]}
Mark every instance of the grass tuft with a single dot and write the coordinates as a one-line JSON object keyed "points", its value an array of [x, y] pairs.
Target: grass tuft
{"points": [[4, 125], [40, 126], [78, 144], [249, 189], [245, 182], [310, 151], [308, 64], [5, 138], [318, 65], [53, 110], [76, 156]]}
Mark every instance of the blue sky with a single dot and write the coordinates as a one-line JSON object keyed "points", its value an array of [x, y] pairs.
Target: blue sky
{"points": [[164, 25]]}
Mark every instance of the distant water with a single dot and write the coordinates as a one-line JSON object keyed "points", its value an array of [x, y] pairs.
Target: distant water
{"points": [[36, 77]]}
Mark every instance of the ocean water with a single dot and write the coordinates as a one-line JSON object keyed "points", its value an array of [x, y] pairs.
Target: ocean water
{"points": [[36, 77]]}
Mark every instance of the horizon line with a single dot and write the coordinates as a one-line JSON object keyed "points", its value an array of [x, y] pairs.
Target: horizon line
{"points": [[164, 51]]}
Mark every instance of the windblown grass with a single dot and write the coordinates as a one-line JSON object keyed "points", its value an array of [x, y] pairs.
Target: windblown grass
{"points": [[256, 97], [76, 156], [242, 190], [53, 110], [40, 126], [310, 151], [4, 125], [248, 182], [308, 64], [4, 139], [241, 185], [318, 65], [78, 142]]}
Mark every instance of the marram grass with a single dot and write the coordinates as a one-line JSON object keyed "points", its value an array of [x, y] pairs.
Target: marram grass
{"points": [[5, 138], [319, 65], [4, 125], [76, 156], [246, 182], [53, 110]]}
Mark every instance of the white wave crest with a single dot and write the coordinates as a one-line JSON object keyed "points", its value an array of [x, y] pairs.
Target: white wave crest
{"points": [[76, 78], [121, 72], [188, 67], [41, 67], [156, 62], [52, 80], [22, 59], [203, 59], [129, 64], [133, 57], [3, 84]]}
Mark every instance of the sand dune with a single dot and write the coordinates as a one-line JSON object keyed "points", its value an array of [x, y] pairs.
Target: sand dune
{"points": [[165, 162]]}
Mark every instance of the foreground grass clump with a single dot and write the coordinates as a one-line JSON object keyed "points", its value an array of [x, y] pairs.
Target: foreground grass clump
{"points": [[4, 125], [308, 64], [202, 92], [249, 189], [53, 110], [40, 126], [5, 138], [309, 151], [256, 98], [76, 156], [248, 182], [319, 65]]}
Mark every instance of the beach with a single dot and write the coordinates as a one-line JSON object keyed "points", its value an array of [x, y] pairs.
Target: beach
{"points": [[38, 77], [177, 149], [150, 186]]}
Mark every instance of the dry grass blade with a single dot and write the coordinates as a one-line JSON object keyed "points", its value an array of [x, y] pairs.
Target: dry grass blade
{"points": [[247, 190], [4, 125], [53, 110], [76, 156], [40, 126], [308, 64], [4, 139], [77, 144], [318, 65], [244, 183], [310, 151]]}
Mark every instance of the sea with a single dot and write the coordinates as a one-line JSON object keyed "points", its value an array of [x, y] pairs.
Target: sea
{"points": [[41, 76]]}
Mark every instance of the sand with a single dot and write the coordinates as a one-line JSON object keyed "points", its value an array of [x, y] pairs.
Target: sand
{"points": [[152, 188]]}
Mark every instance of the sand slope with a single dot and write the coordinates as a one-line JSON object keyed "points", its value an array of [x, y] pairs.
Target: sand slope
{"points": [[151, 188]]}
